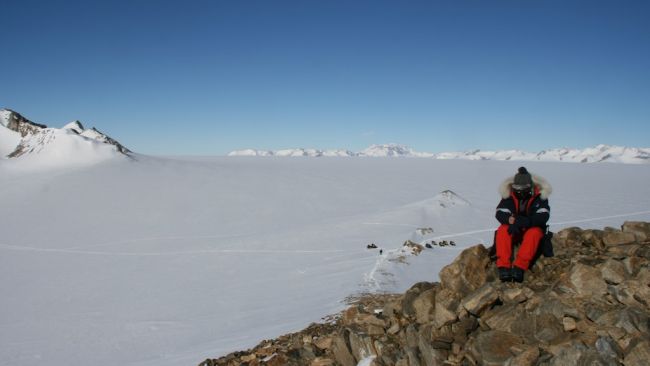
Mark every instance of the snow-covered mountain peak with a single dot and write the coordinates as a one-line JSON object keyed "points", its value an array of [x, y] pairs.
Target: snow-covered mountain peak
{"points": [[392, 150], [28, 144], [74, 126]]}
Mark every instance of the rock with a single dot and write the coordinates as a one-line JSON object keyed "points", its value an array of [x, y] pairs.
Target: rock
{"points": [[411, 335], [566, 238], [493, 347], [394, 329], [631, 320], [633, 264], [504, 318], [554, 305], [587, 281], [594, 238], [445, 307], [320, 361], [613, 237], [411, 294], [569, 324], [369, 319], [613, 271], [639, 354], [248, 358], [467, 272], [414, 247], [640, 230], [516, 294], [476, 302], [424, 306], [275, 360], [526, 358], [628, 292], [360, 346], [323, 343], [430, 355], [342, 352], [547, 328], [607, 348]]}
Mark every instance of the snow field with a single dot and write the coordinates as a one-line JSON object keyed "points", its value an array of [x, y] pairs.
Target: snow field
{"points": [[170, 261]]}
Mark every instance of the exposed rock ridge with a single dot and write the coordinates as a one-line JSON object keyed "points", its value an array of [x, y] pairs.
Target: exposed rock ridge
{"points": [[16, 122], [588, 305]]}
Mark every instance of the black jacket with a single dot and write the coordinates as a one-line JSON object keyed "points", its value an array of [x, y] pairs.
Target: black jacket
{"points": [[534, 212]]}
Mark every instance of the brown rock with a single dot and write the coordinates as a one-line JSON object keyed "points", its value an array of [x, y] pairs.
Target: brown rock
{"points": [[445, 308], [567, 238], [342, 352], [516, 294], [247, 358], [613, 271], [431, 355], [424, 306], [579, 355], [569, 324], [275, 360], [547, 328], [412, 294], [481, 299], [613, 237], [320, 361], [633, 264], [639, 354], [360, 346], [631, 320], [640, 230], [594, 238], [323, 343], [586, 281], [493, 347], [526, 358], [467, 272], [630, 293]]}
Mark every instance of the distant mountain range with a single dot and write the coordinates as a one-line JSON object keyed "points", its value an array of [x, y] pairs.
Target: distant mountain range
{"points": [[599, 153], [24, 140]]}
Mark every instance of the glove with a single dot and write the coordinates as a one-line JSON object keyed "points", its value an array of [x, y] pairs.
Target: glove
{"points": [[522, 222], [513, 229]]}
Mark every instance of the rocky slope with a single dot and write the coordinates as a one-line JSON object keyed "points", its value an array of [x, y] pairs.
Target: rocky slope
{"points": [[587, 305]]}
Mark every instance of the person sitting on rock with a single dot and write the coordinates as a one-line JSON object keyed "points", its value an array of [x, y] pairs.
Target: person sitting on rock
{"points": [[523, 213]]}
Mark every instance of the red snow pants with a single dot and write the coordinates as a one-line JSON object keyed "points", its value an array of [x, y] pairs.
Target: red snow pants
{"points": [[530, 239]]}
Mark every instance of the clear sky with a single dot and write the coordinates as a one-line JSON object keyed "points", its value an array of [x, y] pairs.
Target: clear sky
{"points": [[208, 77]]}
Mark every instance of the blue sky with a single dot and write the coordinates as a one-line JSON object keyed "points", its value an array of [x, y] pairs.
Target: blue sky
{"points": [[207, 77]]}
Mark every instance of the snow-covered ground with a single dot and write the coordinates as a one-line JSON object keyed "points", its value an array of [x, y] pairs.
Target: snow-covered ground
{"points": [[152, 261]]}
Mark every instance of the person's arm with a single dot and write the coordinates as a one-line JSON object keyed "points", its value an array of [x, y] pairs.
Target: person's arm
{"points": [[504, 211], [541, 214]]}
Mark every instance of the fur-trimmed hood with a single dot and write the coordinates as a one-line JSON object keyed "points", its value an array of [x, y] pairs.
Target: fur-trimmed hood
{"points": [[542, 184]]}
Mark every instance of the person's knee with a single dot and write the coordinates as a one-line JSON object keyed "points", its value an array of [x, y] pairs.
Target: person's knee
{"points": [[503, 230], [534, 232]]}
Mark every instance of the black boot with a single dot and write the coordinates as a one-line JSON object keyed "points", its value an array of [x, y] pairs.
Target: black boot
{"points": [[505, 274], [517, 274]]}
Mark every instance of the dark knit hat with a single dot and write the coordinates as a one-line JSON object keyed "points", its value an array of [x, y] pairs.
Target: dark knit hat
{"points": [[523, 180]]}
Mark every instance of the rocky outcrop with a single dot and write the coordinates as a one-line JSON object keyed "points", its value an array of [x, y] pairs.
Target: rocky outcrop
{"points": [[588, 305], [16, 122]]}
